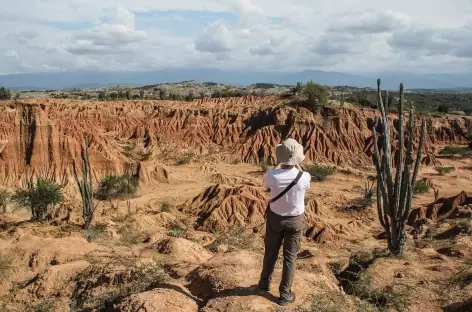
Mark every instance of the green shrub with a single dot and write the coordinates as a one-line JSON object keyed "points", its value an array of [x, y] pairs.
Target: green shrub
{"points": [[320, 172], [39, 197], [264, 164], [184, 159], [455, 151], [420, 187], [117, 187], [444, 170], [177, 231], [44, 306], [164, 206], [5, 93], [316, 95]]}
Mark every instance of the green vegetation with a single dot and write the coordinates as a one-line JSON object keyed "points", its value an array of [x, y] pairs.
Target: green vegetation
{"points": [[455, 151], [356, 280], [320, 172], [367, 198], [264, 85], [236, 161], [131, 235], [264, 164], [93, 293], [164, 206], [39, 196], [444, 170], [44, 306], [421, 187], [234, 237], [177, 230], [424, 101], [117, 187], [184, 159], [316, 95], [5, 94], [395, 184], [85, 185]]}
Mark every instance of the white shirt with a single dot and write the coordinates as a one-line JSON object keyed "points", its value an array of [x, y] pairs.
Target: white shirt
{"points": [[293, 202]]}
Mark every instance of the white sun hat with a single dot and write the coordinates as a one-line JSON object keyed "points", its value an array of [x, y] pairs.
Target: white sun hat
{"points": [[290, 152]]}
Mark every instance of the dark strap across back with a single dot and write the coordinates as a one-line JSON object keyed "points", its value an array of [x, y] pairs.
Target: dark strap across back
{"points": [[294, 182]]}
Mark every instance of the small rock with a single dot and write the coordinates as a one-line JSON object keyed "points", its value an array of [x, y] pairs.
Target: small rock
{"points": [[399, 275], [222, 248]]}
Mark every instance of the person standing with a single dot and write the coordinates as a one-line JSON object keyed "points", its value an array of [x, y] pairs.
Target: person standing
{"points": [[285, 216]]}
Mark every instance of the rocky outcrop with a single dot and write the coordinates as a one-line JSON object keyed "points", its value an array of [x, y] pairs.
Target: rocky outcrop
{"points": [[443, 208], [221, 207], [46, 135]]}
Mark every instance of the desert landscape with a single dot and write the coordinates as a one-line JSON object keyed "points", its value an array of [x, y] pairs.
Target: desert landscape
{"points": [[179, 205]]}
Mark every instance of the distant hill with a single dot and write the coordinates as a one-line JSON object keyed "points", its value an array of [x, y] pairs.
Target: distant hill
{"points": [[96, 79]]}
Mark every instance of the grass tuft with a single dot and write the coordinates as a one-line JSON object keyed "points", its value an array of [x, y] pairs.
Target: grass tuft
{"points": [[444, 170], [320, 172], [421, 187]]}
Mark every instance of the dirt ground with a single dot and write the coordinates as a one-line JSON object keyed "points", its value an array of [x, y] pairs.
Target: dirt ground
{"points": [[192, 240]]}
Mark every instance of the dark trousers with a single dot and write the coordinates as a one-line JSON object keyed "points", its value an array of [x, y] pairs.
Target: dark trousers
{"points": [[288, 230]]}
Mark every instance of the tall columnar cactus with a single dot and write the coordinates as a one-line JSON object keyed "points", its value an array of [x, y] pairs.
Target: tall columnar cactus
{"points": [[394, 193], [85, 185]]}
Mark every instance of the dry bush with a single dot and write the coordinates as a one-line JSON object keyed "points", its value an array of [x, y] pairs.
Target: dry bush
{"points": [[5, 266], [185, 159], [44, 306], [235, 237], [4, 198], [117, 187], [357, 281], [94, 292], [164, 206], [96, 232], [130, 235]]}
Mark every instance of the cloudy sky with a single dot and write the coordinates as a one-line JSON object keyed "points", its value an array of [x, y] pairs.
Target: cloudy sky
{"points": [[285, 35]]}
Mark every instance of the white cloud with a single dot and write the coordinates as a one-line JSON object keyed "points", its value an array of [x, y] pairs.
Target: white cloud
{"points": [[12, 54], [368, 22], [214, 39], [424, 35]]}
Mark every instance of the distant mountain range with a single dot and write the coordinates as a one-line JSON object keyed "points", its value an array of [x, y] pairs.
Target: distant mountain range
{"points": [[97, 79]]}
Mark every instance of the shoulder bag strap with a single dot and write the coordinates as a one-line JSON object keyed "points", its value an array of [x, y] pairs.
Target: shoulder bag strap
{"points": [[294, 182]]}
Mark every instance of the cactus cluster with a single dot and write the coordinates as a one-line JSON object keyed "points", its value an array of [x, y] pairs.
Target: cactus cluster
{"points": [[394, 193], [85, 185]]}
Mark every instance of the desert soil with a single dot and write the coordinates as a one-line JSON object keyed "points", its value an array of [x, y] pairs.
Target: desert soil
{"points": [[191, 239]]}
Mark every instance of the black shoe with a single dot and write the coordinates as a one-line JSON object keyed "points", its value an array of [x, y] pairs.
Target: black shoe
{"points": [[264, 285], [286, 300]]}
